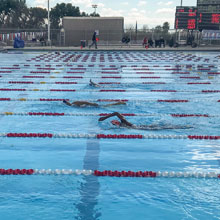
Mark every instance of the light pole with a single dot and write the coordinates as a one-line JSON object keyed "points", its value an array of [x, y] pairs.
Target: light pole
{"points": [[181, 4], [49, 22], [95, 6]]}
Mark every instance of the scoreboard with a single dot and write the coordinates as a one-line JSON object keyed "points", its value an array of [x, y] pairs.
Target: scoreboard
{"points": [[208, 21], [192, 18], [208, 14], [186, 18]]}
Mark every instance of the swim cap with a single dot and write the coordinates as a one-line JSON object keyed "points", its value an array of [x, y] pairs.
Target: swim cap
{"points": [[115, 122]]}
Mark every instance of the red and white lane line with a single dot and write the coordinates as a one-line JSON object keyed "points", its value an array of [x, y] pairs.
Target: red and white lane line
{"points": [[108, 136], [123, 77], [101, 83], [118, 66], [185, 67], [114, 100], [60, 100], [102, 114], [104, 90], [98, 71], [112, 173]]}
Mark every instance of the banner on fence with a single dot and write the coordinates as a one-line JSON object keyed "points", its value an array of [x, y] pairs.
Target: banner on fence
{"points": [[210, 35]]}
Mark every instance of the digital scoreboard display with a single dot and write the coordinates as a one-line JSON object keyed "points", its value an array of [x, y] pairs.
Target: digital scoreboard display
{"points": [[186, 18], [208, 21]]}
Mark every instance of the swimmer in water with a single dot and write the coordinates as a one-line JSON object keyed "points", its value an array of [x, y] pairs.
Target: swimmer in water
{"points": [[125, 124], [91, 83], [85, 104]]}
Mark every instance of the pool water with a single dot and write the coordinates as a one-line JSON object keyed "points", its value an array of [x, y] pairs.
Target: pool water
{"points": [[145, 80]]}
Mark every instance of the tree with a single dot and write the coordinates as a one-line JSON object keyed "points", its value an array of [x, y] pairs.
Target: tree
{"points": [[158, 29], [9, 9], [19, 15], [157, 32], [93, 14], [166, 27], [36, 17], [61, 10], [16, 14], [84, 14]]}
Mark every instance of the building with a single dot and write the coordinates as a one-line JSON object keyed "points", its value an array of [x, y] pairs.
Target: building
{"points": [[109, 29], [209, 6]]}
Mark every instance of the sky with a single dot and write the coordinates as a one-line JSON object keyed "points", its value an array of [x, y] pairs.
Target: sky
{"points": [[145, 12]]}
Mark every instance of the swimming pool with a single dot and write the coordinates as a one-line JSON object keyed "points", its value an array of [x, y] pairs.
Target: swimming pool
{"points": [[162, 88]]}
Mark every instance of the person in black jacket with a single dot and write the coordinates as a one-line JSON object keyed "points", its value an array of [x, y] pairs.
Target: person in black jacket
{"points": [[93, 41], [150, 43]]}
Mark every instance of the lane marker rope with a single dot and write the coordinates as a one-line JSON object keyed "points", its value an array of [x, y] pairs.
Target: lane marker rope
{"points": [[192, 115], [104, 66], [210, 91], [102, 114], [122, 83], [172, 101], [112, 100], [110, 173], [103, 90], [189, 77], [183, 70], [119, 77], [108, 136]]}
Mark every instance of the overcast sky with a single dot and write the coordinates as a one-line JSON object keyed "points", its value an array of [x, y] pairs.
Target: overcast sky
{"points": [[149, 12]]}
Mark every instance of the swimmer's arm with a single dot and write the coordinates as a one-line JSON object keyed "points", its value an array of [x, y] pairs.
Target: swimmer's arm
{"points": [[67, 103], [121, 117], [91, 83], [117, 103]]}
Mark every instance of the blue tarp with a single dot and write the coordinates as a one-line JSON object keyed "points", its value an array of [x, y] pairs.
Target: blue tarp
{"points": [[18, 43]]}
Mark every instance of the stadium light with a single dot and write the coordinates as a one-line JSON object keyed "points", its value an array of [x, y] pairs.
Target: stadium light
{"points": [[95, 6], [181, 4], [49, 22]]}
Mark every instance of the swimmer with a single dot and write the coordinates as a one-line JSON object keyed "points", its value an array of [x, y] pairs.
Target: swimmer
{"points": [[91, 83], [125, 124], [85, 104]]}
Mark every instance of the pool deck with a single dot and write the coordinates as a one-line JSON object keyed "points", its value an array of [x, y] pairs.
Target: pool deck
{"points": [[113, 48]]}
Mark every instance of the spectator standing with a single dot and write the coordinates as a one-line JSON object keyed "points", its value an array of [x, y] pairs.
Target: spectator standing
{"points": [[145, 42], [150, 42], [171, 43], [94, 41], [42, 41], [162, 42]]}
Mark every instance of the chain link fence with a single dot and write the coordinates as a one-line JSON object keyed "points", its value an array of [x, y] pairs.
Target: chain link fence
{"points": [[31, 37], [129, 37]]}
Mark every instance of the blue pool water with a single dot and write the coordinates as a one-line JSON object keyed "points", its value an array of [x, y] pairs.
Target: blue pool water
{"points": [[105, 198]]}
